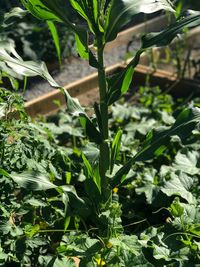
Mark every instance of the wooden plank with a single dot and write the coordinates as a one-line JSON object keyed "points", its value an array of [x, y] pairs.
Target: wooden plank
{"points": [[167, 81]]}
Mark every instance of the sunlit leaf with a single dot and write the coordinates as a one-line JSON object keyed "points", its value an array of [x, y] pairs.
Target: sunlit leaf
{"points": [[179, 185], [119, 83], [122, 11], [32, 180], [11, 58], [10, 17], [55, 37]]}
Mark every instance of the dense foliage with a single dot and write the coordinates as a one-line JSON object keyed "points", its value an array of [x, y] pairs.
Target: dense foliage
{"points": [[153, 218]]}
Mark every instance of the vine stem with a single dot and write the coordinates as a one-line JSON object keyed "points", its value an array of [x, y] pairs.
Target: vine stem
{"points": [[181, 233]]}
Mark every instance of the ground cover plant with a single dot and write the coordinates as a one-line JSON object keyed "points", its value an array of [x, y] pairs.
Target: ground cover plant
{"points": [[157, 207], [101, 222]]}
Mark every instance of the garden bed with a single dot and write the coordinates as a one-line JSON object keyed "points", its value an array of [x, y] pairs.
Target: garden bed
{"points": [[75, 68]]}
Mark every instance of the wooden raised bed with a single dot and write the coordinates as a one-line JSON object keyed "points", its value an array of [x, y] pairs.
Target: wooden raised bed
{"points": [[86, 89], [45, 104]]}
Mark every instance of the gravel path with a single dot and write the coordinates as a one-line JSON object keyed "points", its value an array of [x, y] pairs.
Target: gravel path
{"points": [[73, 70]]}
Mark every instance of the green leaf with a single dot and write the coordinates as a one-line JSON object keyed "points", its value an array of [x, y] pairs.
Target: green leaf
{"points": [[67, 222], [92, 172], [9, 56], [119, 83], [76, 109], [10, 17], [87, 166], [161, 252], [32, 180], [176, 209], [4, 173], [157, 140], [115, 149], [55, 36], [149, 188], [31, 230], [61, 262], [61, 11], [195, 229], [166, 36], [123, 11], [81, 46], [92, 154], [35, 202], [179, 185], [90, 129], [127, 244], [39, 10], [187, 161]]}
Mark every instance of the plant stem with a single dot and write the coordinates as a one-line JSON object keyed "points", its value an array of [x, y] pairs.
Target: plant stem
{"points": [[104, 149], [102, 90]]}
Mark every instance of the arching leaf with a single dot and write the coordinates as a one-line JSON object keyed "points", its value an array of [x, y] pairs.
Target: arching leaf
{"points": [[122, 11]]}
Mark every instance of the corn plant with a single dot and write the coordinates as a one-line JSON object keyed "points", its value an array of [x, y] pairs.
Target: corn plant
{"points": [[104, 19]]}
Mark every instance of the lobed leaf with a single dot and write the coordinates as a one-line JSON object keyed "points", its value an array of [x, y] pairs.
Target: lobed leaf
{"points": [[179, 185]]}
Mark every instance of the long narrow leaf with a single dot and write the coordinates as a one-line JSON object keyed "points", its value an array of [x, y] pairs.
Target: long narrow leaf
{"points": [[37, 181], [55, 37], [76, 109], [165, 37], [62, 11], [115, 148]]}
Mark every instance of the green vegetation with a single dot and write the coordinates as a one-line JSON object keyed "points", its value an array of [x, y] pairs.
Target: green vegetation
{"points": [[103, 189]]}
